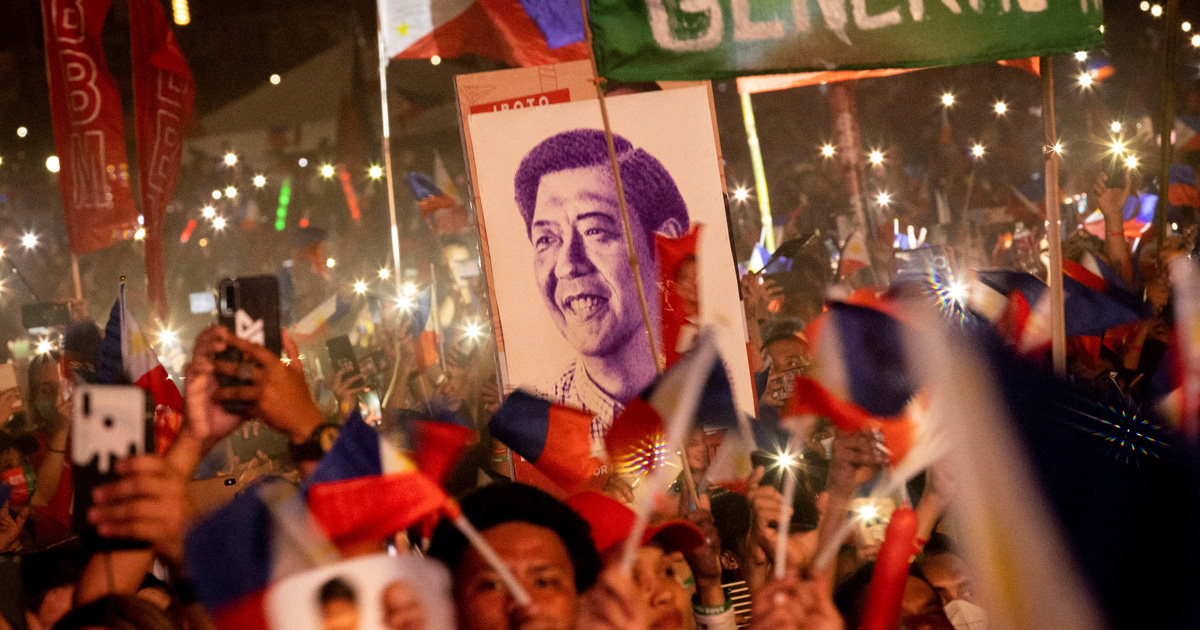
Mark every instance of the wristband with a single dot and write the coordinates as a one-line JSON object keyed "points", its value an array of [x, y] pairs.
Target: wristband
{"points": [[710, 611]]}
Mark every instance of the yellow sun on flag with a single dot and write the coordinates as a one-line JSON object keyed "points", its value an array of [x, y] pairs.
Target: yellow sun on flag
{"points": [[402, 29]]}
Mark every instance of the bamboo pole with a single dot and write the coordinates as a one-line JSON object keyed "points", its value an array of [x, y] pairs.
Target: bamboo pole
{"points": [[1058, 340], [616, 173]]}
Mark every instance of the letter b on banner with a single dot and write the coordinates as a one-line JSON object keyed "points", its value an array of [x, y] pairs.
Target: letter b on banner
{"points": [[83, 95]]}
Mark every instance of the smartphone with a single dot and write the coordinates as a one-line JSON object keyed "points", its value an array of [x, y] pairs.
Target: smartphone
{"points": [[108, 422], [773, 472], [249, 308], [45, 315], [8, 377], [341, 354]]}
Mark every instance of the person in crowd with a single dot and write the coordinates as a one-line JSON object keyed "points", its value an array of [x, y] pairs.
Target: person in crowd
{"points": [[402, 607], [565, 194], [305, 280], [339, 605], [545, 544]]}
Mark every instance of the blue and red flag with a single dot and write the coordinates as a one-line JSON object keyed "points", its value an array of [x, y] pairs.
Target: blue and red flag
{"points": [[517, 32], [365, 489], [234, 553], [1018, 304], [556, 439], [126, 356], [859, 378], [636, 441]]}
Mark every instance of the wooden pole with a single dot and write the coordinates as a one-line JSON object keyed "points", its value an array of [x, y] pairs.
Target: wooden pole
{"points": [[616, 173], [1058, 339], [1166, 123]]}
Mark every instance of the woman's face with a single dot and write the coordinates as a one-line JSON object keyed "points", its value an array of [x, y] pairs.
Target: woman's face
{"points": [[44, 387]]}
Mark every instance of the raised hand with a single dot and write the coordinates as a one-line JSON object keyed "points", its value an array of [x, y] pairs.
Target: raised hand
{"points": [[204, 418], [277, 393], [10, 527], [612, 603], [792, 604], [149, 503]]}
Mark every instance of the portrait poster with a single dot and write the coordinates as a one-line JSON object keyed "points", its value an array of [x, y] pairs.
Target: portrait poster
{"points": [[555, 317], [375, 592]]}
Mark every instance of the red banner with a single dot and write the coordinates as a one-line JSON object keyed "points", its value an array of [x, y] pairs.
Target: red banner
{"points": [[163, 91], [94, 175]]}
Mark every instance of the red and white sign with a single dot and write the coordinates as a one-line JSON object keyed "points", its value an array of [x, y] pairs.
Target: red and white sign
{"points": [[536, 100], [86, 108]]}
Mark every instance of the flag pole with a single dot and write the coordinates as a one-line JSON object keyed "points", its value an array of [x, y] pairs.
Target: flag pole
{"points": [[75, 277], [387, 152], [760, 174], [704, 353], [1166, 124], [616, 173], [1058, 339]]}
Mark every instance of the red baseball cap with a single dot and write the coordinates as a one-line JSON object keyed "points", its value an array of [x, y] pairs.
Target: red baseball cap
{"points": [[612, 522]]}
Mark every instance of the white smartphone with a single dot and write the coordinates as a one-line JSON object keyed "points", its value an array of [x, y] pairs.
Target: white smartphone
{"points": [[109, 422]]}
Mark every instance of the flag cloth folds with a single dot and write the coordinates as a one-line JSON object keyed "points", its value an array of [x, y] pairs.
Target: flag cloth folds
{"points": [[88, 135], [126, 356], [234, 553], [517, 32], [554, 438], [1046, 550], [163, 91], [678, 291], [366, 490], [661, 40], [636, 442], [854, 255]]}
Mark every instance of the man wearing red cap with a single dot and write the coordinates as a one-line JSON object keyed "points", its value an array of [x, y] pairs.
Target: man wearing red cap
{"points": [[664, 602]]}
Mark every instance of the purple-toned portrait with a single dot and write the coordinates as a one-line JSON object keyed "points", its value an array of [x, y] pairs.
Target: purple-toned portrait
{"points": [[567, 315], [565, 193]]}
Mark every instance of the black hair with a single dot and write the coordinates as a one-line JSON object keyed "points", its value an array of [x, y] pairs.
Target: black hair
{"points": [[731, 512], [850, 596], [336, 590], [650, 190], [118, 612], [783, 329], [503, 502], [940, 543]]}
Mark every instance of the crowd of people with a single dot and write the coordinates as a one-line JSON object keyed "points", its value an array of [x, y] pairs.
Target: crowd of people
{"points": [[707, 559]]}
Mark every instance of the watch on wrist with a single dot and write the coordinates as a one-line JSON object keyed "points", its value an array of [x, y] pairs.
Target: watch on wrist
{"points": [[317, 444]]}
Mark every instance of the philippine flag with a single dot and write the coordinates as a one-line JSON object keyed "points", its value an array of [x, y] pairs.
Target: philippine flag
{"points": [[126, 356], [554, 438], [517, 32], [234, 553], [366, 490]]}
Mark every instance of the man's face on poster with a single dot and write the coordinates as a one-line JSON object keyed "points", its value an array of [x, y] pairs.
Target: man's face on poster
{"points": [[581, 259]]}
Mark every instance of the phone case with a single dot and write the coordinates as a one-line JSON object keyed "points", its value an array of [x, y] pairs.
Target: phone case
{"points": [[249, 308], [341, 353], [109, 422]]}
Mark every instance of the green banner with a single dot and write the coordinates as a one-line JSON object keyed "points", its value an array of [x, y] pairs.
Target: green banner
{"points": [[649, 40]]}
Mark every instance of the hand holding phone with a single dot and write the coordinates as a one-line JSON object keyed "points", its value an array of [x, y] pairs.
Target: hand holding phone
{"points": [[249, 309], [109, 423]]}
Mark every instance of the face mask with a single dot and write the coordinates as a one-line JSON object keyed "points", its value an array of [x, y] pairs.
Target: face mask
{"points": [[46, 410], [966, 616], [17, 484]]}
